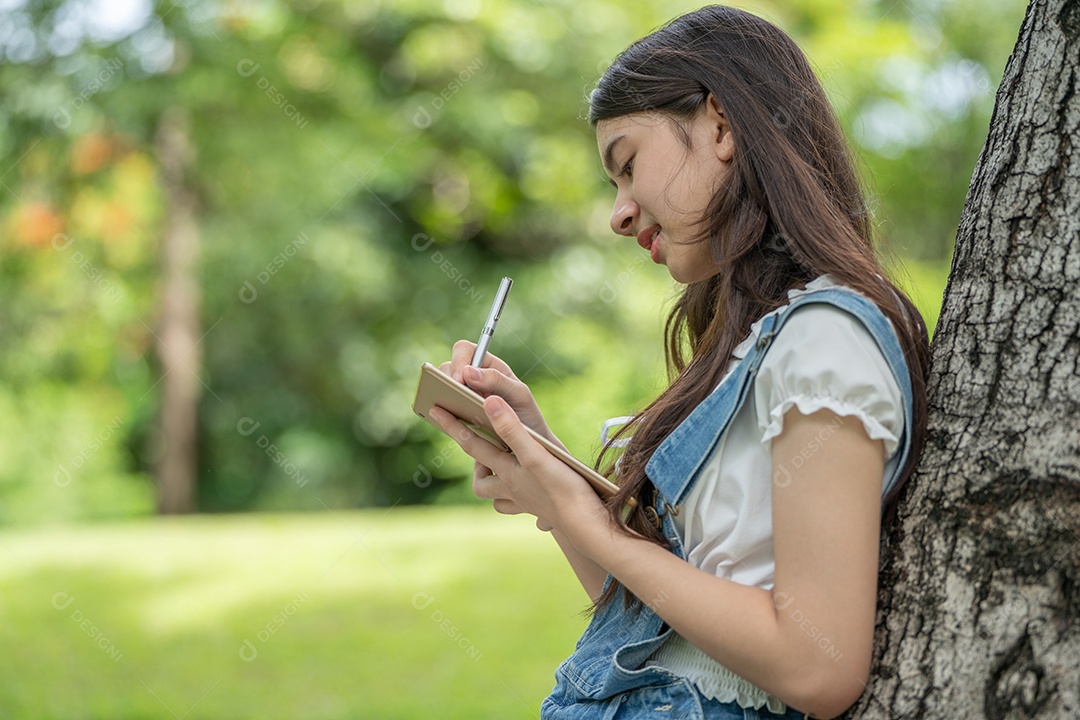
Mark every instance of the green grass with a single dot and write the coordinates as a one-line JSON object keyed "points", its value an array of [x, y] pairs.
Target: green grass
{"points": [[412, 613]]}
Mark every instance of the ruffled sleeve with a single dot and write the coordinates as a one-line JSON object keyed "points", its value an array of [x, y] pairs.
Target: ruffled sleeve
{"points": [[824, 357]]}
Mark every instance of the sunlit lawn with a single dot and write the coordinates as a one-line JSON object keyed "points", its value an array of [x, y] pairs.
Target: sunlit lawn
{"points": [[411, 613]]}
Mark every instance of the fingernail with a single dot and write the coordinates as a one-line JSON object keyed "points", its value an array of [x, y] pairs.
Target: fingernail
{"points": [[496, 407], [457, 376], [471, 373]]}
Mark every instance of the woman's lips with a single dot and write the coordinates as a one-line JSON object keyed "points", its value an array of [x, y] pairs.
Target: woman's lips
{"points": [[649, 238]]}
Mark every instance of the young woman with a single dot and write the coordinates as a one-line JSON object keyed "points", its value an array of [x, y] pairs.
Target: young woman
{"points": [[744, 583]]}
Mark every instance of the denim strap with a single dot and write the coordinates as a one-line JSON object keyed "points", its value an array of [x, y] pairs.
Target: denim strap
{"points": [[678, 460]]}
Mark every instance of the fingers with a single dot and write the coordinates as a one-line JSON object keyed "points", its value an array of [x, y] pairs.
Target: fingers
{"points": [[462, 355], [481, 471], [508, 426], [506, 507], [491, 381], [485, 484], [474, 445], [490, 486], [527, 456]]}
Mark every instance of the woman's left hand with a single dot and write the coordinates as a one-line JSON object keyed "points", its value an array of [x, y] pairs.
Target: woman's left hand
{"points": [[529, 479]]}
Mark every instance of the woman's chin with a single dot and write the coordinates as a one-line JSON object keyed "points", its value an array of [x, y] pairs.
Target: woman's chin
{"points": [[686, 276]]}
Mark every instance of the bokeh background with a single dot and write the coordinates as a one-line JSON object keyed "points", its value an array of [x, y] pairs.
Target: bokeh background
{"points": [[348, 181]]}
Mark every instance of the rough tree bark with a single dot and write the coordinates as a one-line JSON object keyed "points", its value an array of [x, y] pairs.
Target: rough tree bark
{"points": [[979, 587], [178, 326]]}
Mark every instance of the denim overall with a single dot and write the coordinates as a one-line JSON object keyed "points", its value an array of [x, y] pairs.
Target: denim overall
{"points": [[607, 678]]}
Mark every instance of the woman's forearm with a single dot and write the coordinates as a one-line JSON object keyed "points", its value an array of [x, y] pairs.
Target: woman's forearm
{"points": [[737, 625], [589, 574]]}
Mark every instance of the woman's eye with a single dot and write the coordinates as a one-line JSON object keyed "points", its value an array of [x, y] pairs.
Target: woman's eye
{"points": [[628, 169]]}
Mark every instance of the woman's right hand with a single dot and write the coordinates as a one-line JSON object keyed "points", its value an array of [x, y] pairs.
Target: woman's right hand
{"points": [[496, 378]]}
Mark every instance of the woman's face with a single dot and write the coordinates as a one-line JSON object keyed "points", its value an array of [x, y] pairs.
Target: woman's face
{"points": [[663, 186]]}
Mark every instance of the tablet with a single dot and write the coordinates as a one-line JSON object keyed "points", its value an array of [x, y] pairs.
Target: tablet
{"points": [[438, 388]]}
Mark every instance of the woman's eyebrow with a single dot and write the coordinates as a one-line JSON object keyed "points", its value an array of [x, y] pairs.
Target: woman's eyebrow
{"points": [[609, 155]]}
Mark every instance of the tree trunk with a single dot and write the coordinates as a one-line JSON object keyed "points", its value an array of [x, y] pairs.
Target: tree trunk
{"points": [[178, 333], [980, 581]]}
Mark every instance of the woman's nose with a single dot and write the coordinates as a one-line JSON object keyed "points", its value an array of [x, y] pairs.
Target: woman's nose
{"points": [[623, 217]]}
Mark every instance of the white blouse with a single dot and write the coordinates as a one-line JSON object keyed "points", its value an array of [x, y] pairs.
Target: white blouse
{"points": [[822, 358]]}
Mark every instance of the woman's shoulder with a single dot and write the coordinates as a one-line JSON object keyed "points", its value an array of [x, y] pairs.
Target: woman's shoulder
{"points": [[808, 318], [825, 329], [821, 338], [825, 357]]}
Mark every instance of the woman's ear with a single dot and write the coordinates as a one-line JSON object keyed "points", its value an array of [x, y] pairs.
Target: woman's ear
{"points": [[725, 143]]}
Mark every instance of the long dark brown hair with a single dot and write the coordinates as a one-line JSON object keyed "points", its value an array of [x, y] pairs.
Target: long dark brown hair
{"points": [[792, 208]]}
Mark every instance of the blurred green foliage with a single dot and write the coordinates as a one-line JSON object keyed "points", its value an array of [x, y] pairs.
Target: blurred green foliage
{"points": [[365, 173]]}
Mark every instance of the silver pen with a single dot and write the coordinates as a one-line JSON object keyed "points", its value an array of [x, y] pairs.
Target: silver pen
{"points": [[492, 318]]}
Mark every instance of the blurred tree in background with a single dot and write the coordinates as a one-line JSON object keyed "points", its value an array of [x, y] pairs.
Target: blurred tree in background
{"points": [[361, 175]]}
